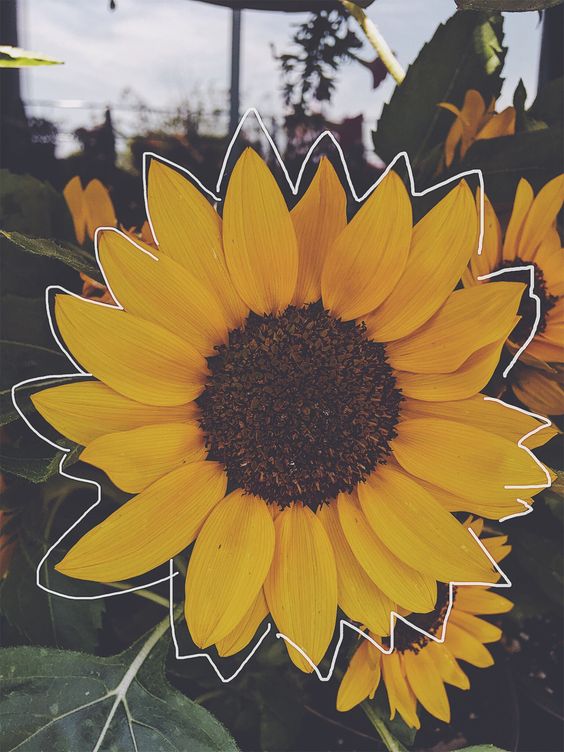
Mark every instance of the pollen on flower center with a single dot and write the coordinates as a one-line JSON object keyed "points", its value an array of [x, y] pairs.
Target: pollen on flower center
{"points": [[528, 307], [299, 407]]}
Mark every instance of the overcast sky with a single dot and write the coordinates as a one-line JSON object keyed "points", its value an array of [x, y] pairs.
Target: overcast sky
{"points": [[170, 51]]}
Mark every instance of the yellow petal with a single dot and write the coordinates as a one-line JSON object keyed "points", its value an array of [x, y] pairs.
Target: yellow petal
{"points": [[497, 547], [301, 587], [522, 203], [150, 528], [426, 682], [467, 648], [136, 358], [443, 241], [228, 565], [465, 460], [467, 381], [243, 633], [490, 257], [480, 600], [366, 260], [84, 410], [100, 210], [447, 665], [259, 238], [550, 258], [162, 291], [361, 678], [318, 218], [481, 629], [492, 510], [418, 530], [484, 413], [74, 196], [134, 459], [400, 695], [188, 230], [469, 320], [357, 595], [454, 137], [541, 216], [472, 116], [500, 124], [538, 391], [401, 583]]}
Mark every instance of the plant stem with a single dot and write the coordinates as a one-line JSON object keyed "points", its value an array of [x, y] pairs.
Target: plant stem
{"points": [[180, 565], [148, 594], [376, 39], [391, 743]]}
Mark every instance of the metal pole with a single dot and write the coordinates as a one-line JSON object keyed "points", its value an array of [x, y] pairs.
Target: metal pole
{"points": [[235, 70]]}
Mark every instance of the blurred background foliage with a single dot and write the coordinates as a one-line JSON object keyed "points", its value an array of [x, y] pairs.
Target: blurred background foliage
{"points": [[515, 705]]}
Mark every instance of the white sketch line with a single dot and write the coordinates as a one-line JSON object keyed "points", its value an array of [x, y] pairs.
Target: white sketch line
{"points": [[81, 373], [224, 679], [532, 294], [394, 616]]}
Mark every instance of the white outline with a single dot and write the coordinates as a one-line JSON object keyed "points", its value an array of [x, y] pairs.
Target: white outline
{"points": [[531, 269], [81, 373]]}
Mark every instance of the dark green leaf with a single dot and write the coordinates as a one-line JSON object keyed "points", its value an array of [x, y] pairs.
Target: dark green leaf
{"points": [[482, 748], [506, 5], [15, 57], [39, 469], [44, 618], [541, 560], [465, 53], [68, 254], [380, 719], [82, 702], [534, 155], [553, 497], [548, 106]]}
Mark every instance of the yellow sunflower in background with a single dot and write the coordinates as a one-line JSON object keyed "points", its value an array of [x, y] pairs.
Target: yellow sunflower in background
{"points": [[531, 238], [90, 208], [474, 122], [419, 668], [298, 395]]}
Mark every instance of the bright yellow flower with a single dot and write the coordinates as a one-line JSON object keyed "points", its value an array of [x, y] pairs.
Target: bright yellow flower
{"points": [[298, 395], [474, 122], [531, 238], [419, 668]]}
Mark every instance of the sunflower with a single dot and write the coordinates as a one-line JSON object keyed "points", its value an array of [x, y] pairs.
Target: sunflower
{"points": [[299, 397], [531, 241], [474, 122], [419, 668]]}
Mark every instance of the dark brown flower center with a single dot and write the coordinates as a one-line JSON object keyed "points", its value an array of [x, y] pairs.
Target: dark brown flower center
{"points": [[299, 406], [528, 306], [406, 638]]}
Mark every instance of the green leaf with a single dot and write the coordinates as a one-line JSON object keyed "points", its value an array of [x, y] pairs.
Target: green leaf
{"points": [[68, 254], [482, 748], [387, 730], [43, 618], [465, 53], [553, 497], [39, 469], [541, 560], [517, 6], [15, 57], [534, 155], [83, 702], [548, 106]]}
